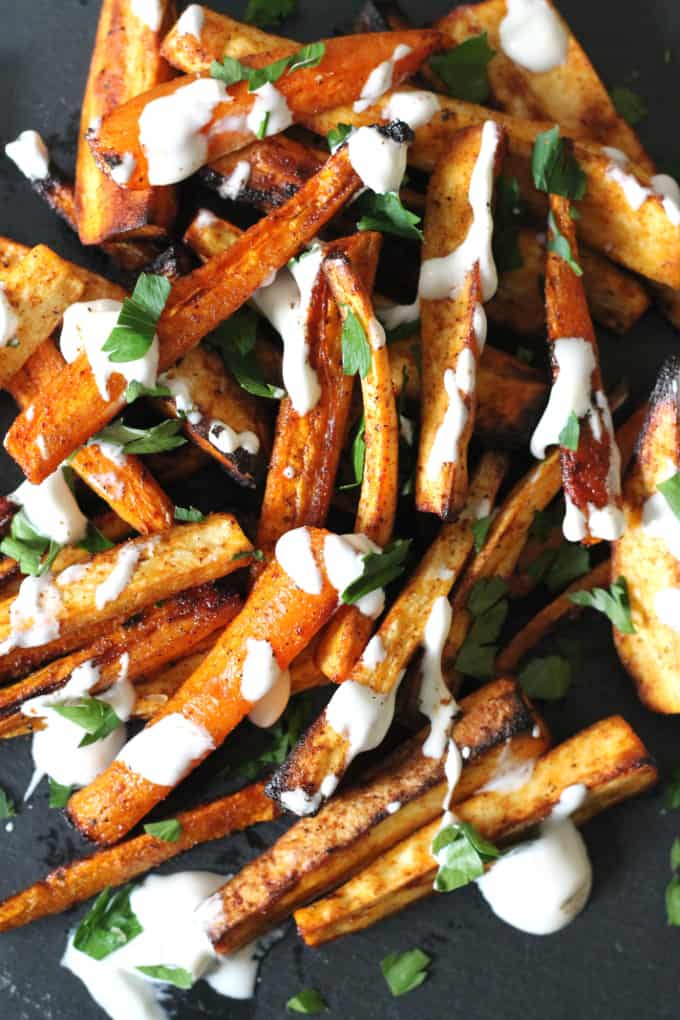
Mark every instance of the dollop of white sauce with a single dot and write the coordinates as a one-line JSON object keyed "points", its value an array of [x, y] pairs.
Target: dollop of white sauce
{"points": [[170, 129], [374, 653], [180, 388], [9, 321], [542, 885], [445, 447], [52, 509], [264, 683], [56, 748], [378, 160], [295, 556], [416, 108], [164, 751], [532, 35], [31, 155], [169, 910], [269, 104], [509, 774], [343, 558], [286, 303], [299, 802], [122, 172], [191, 21], [149, 12], [436, 701], [234, 184], [443, 276], [663, 186], [86, 327], [226, 439], [34, 614], [361, 716], [658, 519], [119, 577], [379, 80]]}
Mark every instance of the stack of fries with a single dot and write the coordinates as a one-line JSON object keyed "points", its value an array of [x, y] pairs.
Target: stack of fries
{"points": [[150, 610]]}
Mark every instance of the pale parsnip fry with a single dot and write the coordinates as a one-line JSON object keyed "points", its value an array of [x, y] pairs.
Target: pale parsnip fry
{"points": [[39, 287], [346, 635], [608, 758], [324, 753], [212, 701], [647, 554], [453, 327], [72, 409], [219, 36], [77, 882], [69, 609], [159, 634], [337, 78], [356, 826], [570, 94], [276, 168], [125, 61]]}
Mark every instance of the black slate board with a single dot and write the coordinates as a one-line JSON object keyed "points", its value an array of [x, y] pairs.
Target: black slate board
{"points": [[618, 959]]}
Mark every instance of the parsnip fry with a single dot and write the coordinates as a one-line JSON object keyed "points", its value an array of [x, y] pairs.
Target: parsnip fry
{"points": [[77, 882], [209, 705], [264, 174], [608, 758], [219, 36]]}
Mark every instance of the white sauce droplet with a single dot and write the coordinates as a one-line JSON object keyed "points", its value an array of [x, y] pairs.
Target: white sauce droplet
{"points": [[119, 577], [122, 172], [416, 108], [436, 701], [343, 558], [532, 35], [374, 653], [270, 104], [378, 160], [31, 155], [224, 438], [150, 12], [264, 683], [445, 447], [295, 556], [191, 21], [234, 184], [164, 751], [180, 388], [393, 807], [379, 80]]}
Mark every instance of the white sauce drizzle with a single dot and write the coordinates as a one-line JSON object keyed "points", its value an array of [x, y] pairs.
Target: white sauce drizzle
{"points": [[343, 558], [34, 614], [234, 184], [380, 79], [164, 751], [361, 716], [659, 521], [663, 186], [445, 446], [86, 327], [150, 12], [227, 440], [9, 321], [415, 108], [119, 577], [542, 885], [31, 155], [270, 104], [191, 21], [374, 653], [436, 701], [509, 774], [295, 556], [444, 276], [170, 129], [397, 315], [180, 388], [52, 509], [378, 160], [532, 35], [264, 683]]}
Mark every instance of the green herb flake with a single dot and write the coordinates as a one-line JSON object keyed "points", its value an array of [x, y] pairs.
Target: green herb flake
{"points": [[59, 794], [310, 55], [548, 678], [379, 569], [93, 715], [488, 606], [156, 439], [230, 70], [7, 809], [463, 69], [461, 853], [109, 924], [94, 541], [308, 1001], [177, 976], [569, 435], [284, 735], [234, 341], [559, 245], [670, 490], [34, 552], [405, 971], [480, 531], [570, 561], [672, 791], [266, 13], [188, 513], [134, 331], [544, 522], [554, 168], [628, 105], [673, 901], [136, 389], [337, 135], [675, 854], [386, 214], [168, 831], [358, 456], [614, 603], [507, 218], [356, 351]]}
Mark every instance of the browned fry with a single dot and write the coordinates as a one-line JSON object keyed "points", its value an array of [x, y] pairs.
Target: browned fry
{"points": [[608, 758], [570, 95], [347, 633], [668, 302], [177, 465], [323, 752], [220, 36], [11, 252], [645, 555], [451, 345], [161, 566], [71, 409], [125, 61], [278, 166], [356, 826], [77, 882], [159, 633]]}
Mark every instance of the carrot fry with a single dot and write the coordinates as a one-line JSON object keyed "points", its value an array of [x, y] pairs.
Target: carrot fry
{"points": [[74, 883], [277, 168]]}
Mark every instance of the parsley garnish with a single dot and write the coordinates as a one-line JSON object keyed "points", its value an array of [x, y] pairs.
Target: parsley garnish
{"points": [[7, 809], [461, 854], [152, 440], [358, 456], [59, 794], [168, 831], [254, 554], [28, 547], [93, 715], [559, 244], [137, 389], [554, 168], [628, 105], [675, 854], [234, 340], [230, 70], [464, 69], [310, 55], [284, 735], [337, 135], [559, 567], [480, 530], [356, 351], [489, 608], [177, 976], [570, 433], [264, 13], [262, 130], [544, 522], [670, 490], [507, 217], [95, 541], [109, 924], [548, 678], [614, 603], [188, 513], [134, 331], [405, 971], [672, 792], [673, 901], [386, 214], [308, 1001], [379, 569]]}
